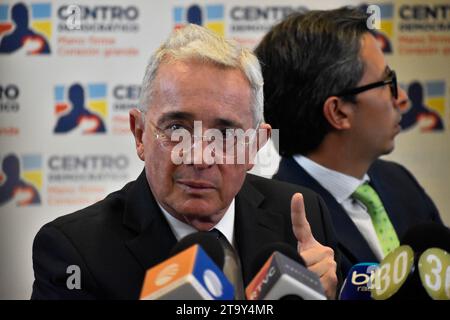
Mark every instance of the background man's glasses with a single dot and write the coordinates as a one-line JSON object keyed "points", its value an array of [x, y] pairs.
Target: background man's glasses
{"points": [[391, 81]]}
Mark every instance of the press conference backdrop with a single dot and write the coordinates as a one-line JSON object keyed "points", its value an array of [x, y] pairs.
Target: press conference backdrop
{"points": [[57, 166]]}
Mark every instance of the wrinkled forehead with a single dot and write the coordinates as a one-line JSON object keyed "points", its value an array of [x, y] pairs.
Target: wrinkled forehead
{"points": [[201, 91]]}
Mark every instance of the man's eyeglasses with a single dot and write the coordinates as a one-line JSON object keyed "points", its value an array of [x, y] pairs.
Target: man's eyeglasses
{"points": [[224, 143], [391, 81]]}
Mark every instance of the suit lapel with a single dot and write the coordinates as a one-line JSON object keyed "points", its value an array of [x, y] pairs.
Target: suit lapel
{"points": [[154, 238], [350, 239], [254, 227]]}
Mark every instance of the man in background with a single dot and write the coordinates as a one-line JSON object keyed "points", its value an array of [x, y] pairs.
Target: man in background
{"points": [[329, 90]]}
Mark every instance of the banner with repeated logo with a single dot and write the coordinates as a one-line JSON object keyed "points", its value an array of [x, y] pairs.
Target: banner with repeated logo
{"points": [[71, 73]]}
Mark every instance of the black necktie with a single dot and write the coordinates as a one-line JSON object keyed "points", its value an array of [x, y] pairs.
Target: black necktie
{"points": [[232, 266]]}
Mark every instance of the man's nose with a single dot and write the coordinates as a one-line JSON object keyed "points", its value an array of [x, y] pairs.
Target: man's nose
{"points": [[201, 154], [402, 101]]}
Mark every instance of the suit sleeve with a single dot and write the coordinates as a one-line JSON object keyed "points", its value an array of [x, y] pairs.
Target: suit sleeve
{"points": [[53, 253]]}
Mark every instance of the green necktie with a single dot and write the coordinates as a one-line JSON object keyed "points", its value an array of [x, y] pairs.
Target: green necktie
{"points": [[381, 222]]}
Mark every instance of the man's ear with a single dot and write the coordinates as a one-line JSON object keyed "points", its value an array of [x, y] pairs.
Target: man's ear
{"points": [[337, 112], [137, 128], [263, 134]]}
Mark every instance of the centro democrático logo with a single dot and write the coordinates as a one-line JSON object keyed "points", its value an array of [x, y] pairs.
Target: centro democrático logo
{"points": [[79, 108], [25, 28], [210, 16], [21, 179], [384, 32], [426, 108]]}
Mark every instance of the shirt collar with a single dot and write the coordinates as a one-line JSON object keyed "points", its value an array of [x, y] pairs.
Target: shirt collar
{"points": [[340, 185], [181, 229]]}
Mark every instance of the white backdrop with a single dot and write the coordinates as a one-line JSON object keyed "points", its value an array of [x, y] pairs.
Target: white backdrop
{"points": [[63, 169]]}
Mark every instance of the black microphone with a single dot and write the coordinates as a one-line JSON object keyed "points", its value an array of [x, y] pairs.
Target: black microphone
{"points": [[427, 235], [190, 273], [207, 241], [419, 269], [280, 275]]}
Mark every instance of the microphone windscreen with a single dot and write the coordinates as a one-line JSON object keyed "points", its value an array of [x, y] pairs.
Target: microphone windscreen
{"points": [[263, 255], [279, 273], [427, 235], [209, 243], [190, 274], [359, 282]]}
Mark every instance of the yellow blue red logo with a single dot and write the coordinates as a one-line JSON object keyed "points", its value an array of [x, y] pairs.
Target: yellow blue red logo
{"points": [[25, 28], [210, 16], [426, 108], [384, 35], [81, 108], [21, 179]]}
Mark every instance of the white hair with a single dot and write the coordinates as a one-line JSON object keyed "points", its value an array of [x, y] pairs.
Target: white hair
{"points": [[196, 42]]}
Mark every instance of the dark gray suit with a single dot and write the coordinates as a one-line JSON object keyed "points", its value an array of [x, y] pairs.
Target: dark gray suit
{"points": [[117, 239]]}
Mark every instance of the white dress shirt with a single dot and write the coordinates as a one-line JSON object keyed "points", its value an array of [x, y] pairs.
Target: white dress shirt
{"points": [[181, 229], [341, 187]]}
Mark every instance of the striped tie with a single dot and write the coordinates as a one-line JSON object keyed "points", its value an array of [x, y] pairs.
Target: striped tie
{"points": [[232, 265], [380, 220]]}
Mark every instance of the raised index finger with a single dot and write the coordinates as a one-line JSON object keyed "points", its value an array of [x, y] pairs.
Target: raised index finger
{"points": [[300, 224]]}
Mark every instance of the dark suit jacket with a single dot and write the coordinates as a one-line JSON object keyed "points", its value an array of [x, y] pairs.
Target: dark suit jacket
{"points": [[117, 239], [405, 201]]}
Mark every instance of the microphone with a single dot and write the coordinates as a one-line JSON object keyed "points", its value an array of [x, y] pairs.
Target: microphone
{"points": [[190, 273], [221, 252], [419, 269], [282, 276], [207, 241], [427, 235], [359, 282]]}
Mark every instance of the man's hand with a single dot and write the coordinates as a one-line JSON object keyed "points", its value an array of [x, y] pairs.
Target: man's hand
{"points": [[32, 44], [318, 258]]}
